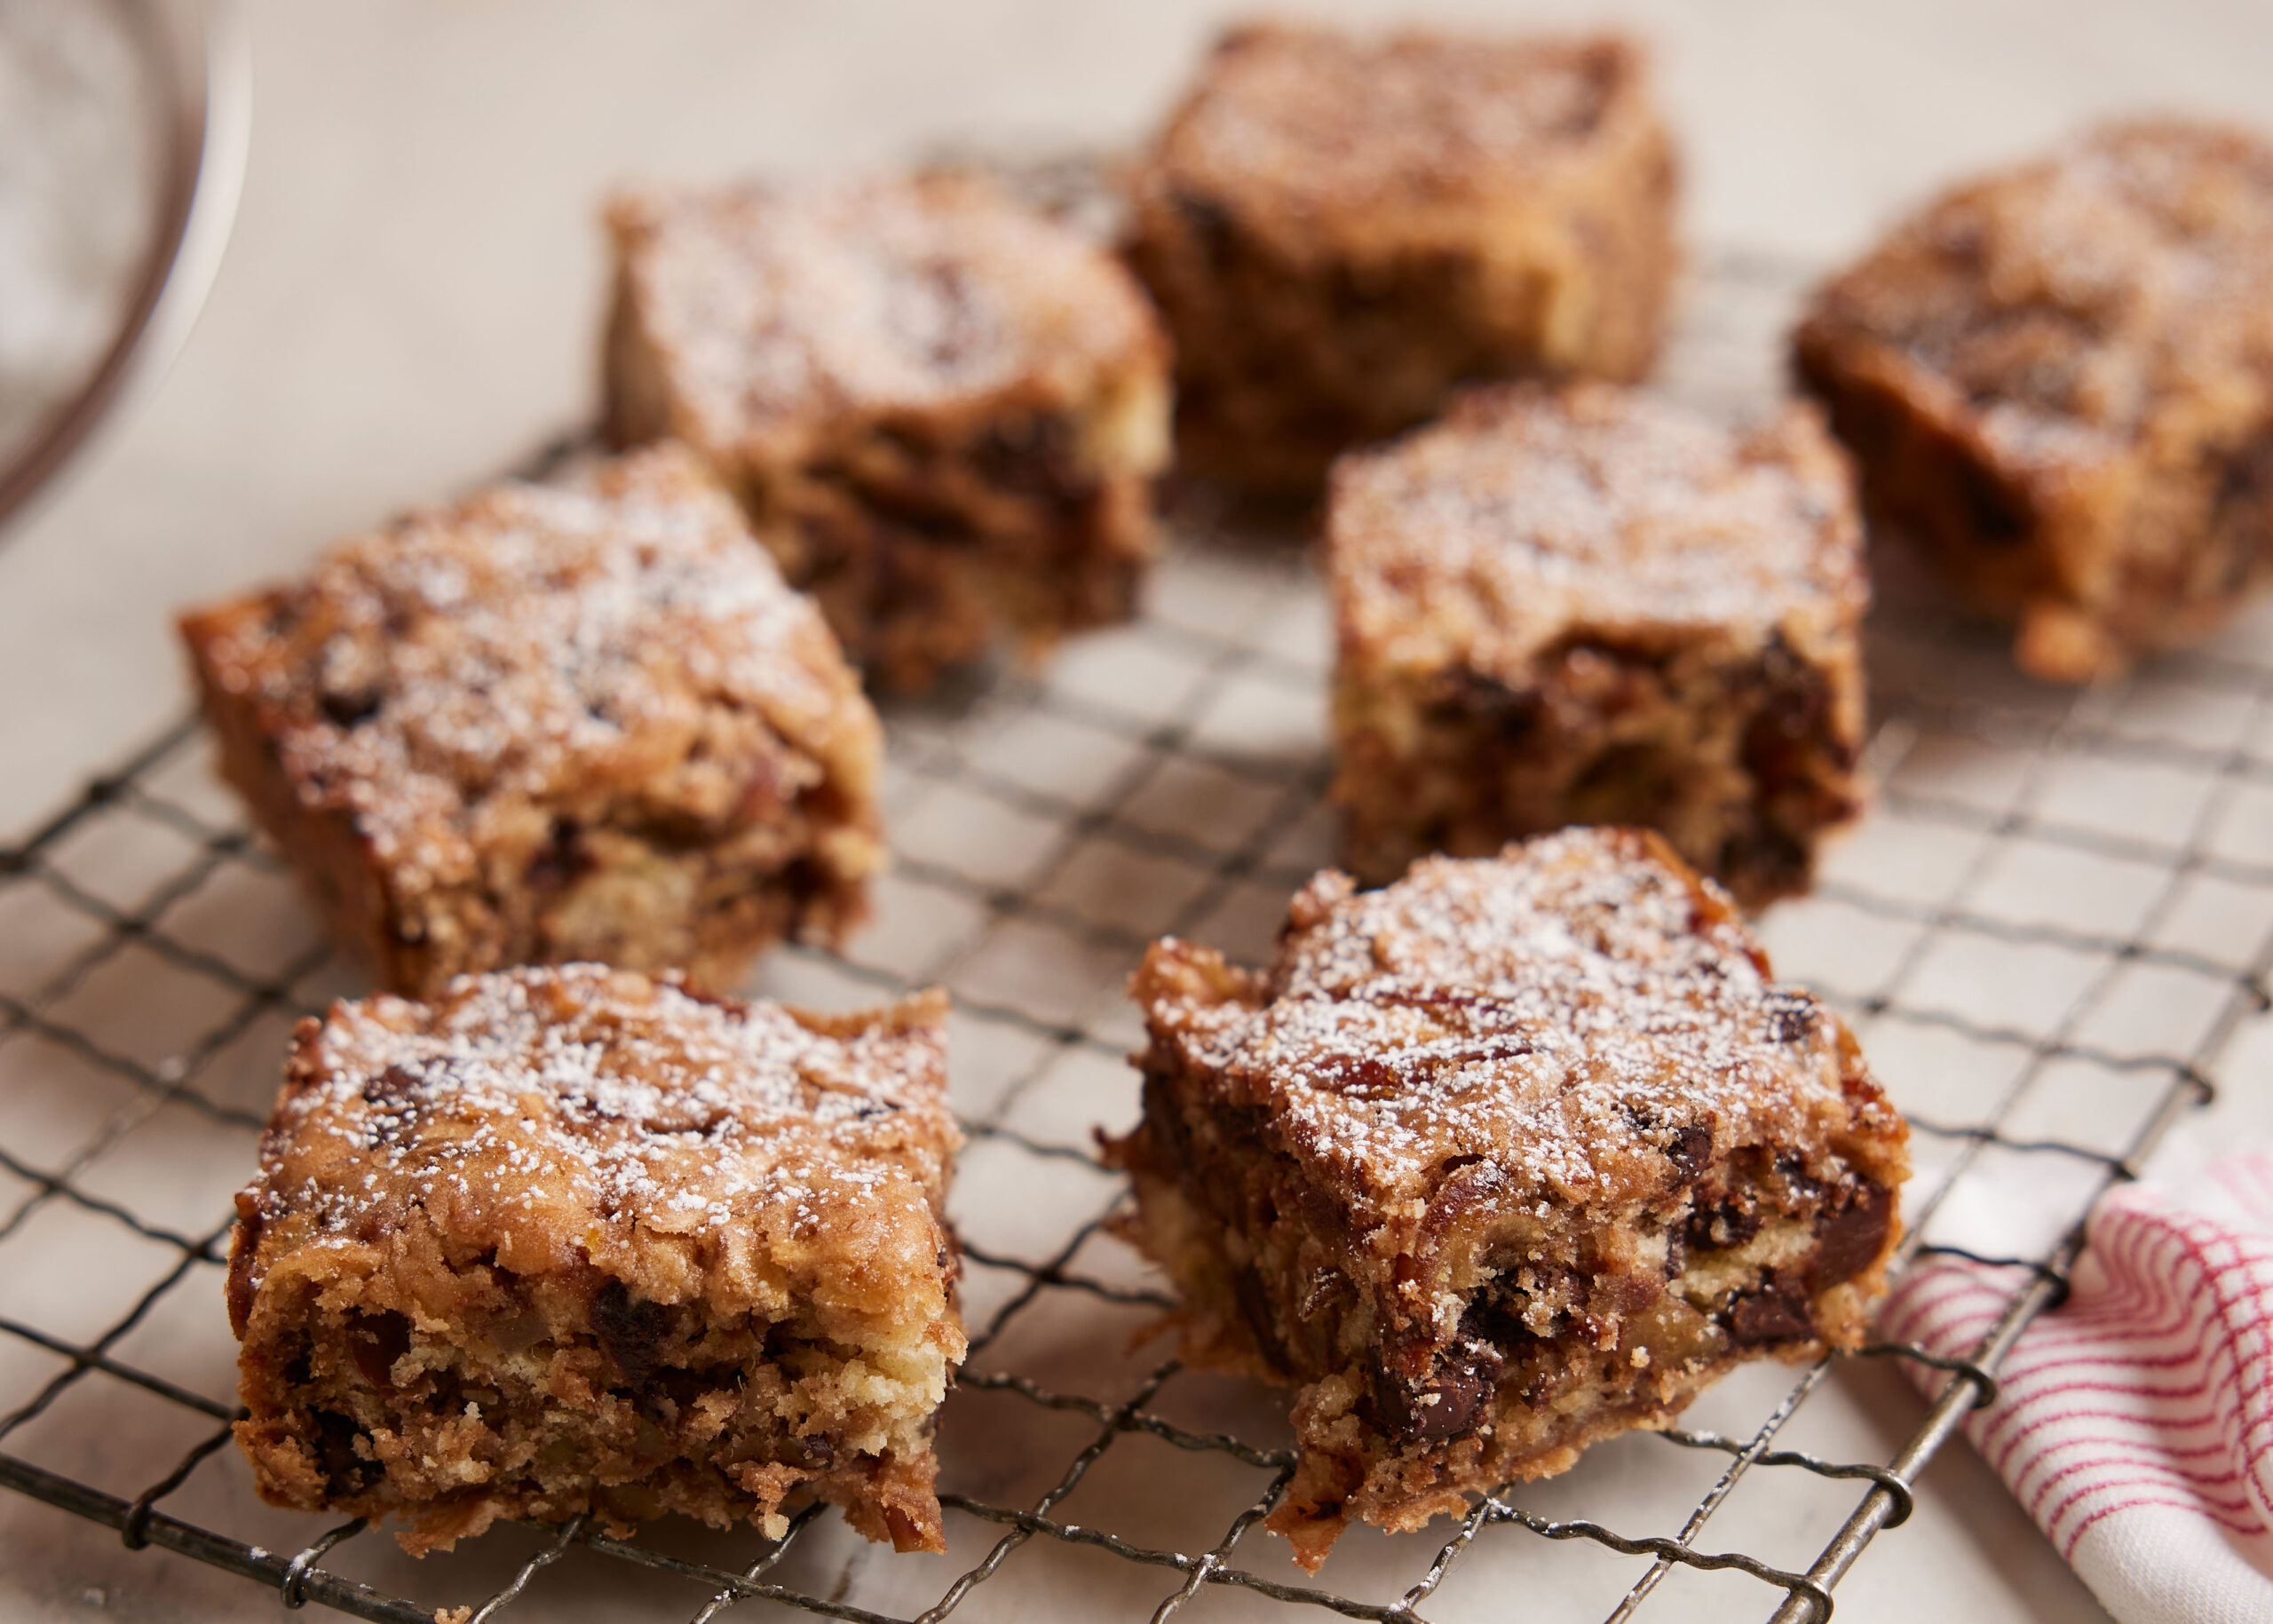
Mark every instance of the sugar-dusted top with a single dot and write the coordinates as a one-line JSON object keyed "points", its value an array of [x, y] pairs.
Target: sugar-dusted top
{"points": [[616, 641], [581, 1118], [2070, 300], [1529, 515], [1290, 121], [779, 310], [1574, 1012]]}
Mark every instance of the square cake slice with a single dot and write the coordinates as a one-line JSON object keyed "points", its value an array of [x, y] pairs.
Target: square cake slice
{"points": [[1511, 1156], [2058, 380], [1340, 228], [1587, 606], [586, 720], [942, 410], [572, 1241]]}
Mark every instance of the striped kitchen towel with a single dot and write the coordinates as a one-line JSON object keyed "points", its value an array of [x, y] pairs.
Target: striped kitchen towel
{"points": [[2135, 1422]]}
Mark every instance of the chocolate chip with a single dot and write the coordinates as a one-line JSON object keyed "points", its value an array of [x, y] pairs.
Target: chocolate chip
{"points": [[1209, 221], [1456, 1397], [1690, 1151], [1491, 1318], [1801, 1185], [1777, 1311], [374, 1342], [337, 1435], [1848, 1237], [682, 1387], [350, 709], [1790, 1016], [819, 1453], [1254, 1307], [1998, 514], [559, 861], [1728, 1222], [1513, 715], [391, 1086], [392, 1095], [630, 1330]]}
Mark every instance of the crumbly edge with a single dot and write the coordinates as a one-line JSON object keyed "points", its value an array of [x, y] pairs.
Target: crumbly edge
{"points": [[924, 537], [1284, 361], [1398, 1420], [1742, 756], [549, 1397], [2098, 567], [638, 899]]}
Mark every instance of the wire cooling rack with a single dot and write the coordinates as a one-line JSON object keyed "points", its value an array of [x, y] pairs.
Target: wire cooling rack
{"points": [[2055, 921]]}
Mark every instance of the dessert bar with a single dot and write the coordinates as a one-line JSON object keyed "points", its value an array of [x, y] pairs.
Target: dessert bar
{"points": [[571, 1241], [1340, 228], [1587, 606], [1513, 1155], [2058, 381], [585, 720], [944, 412]]}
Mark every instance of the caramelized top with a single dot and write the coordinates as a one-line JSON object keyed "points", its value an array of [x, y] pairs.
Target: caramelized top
{"points": [[1292, 124], [1582, 1014], [2071, 300], [579, 1118], [461, 677], [1529, 514], [780, 309]]}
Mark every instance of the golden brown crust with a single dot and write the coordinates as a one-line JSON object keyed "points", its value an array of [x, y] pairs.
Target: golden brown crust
{"points": [[1587, 606], [573, 1240], [2059, 379], [583, 720], [942, 411], [1514, 1154], [1339, 229]]}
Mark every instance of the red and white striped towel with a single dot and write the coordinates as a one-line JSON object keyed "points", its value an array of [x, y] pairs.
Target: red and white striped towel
{"points": [[2135, 1422]]}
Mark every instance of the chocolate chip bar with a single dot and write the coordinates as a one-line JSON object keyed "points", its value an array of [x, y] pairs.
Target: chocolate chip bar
{"points": [[2056, 381], [585, 720], [943, 411], [1509, 1157], [571, 1241], [1587, 606], [1341, 227]]}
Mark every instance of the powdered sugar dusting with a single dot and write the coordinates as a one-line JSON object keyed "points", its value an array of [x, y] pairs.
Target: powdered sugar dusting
{"points": [[1298, 118], [781, 307], [1566, 1012], [1531, 513], [593, 1108], [2071, 302], [535, 644]]}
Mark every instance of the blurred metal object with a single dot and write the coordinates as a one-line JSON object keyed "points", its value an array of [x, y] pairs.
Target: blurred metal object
{"points": [[194, 57]]}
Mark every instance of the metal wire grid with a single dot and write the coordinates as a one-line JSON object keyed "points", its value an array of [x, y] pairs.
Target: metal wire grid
{"points": [[1142, 787]]}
